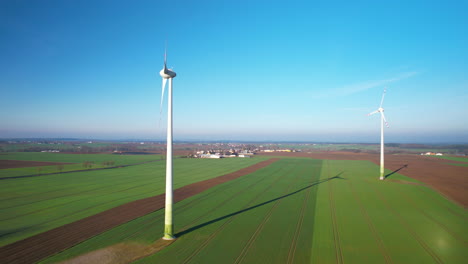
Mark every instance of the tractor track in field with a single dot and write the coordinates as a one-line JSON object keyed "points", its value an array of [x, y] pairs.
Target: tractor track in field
{"points": [[262, 224], [63, 172], [232, 197], [68, 194], [446, 179], [424, 189], [223, 226], [371, 226], [292, 248], [409, 228], [77, 212], [70, 202], [410, 201], [204, 197], [149, 222], [38, 247], [336, 235]]}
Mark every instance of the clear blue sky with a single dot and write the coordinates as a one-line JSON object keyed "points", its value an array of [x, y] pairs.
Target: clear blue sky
{"points": [[247, 70]]}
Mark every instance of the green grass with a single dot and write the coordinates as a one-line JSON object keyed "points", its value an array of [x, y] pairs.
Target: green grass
{"points": [[78, 159], [462, 159], [304, 211], [458, 164], [32, 205], [74, 158]]}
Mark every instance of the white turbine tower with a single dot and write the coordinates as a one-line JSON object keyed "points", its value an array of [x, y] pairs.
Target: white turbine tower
{"points": [[382, 121], [168, 74]]}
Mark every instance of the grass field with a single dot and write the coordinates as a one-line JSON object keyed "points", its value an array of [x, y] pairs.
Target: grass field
{"points": [[32, 205], [303, 211]]}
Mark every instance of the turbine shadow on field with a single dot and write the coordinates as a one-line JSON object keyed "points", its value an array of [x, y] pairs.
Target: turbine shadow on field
{"points": [[256, 206], [395, 171]]}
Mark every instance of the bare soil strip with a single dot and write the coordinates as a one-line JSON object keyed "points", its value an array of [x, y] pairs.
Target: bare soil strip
{"points": [[120, 254], [449, 180], [35, 248]]}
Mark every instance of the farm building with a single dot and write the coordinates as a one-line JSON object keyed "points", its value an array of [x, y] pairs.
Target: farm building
{"points": [[210, 156]]}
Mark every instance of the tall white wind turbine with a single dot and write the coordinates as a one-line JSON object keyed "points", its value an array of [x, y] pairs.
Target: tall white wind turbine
{"points": [[168, 74], [382, 121]]}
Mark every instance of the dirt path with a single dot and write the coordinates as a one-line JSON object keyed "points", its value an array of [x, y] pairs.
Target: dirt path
{"points": [[450, 180], [35, 248]]}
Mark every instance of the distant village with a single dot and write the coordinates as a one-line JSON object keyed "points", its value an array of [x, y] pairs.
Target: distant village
{"points": [[218, 149], [233, 153]]}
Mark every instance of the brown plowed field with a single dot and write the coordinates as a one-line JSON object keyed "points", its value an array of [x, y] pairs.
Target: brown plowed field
{"points": [[9, 164], [450, 180], [35, 248]]}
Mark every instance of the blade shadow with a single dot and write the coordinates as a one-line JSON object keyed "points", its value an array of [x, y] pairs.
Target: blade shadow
{"points": [[395, 171], [186, 231]]}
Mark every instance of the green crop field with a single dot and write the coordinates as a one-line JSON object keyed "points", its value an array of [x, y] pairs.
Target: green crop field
{"points": [[96, 160], [462, 159], [75, 158], [303, 211], [32, 205]]}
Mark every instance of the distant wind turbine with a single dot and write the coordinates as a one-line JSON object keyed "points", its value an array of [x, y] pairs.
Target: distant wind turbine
{"points": [[382, 120], [168, 74]]}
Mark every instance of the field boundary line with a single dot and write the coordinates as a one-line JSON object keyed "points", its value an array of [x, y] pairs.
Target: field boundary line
{"points": [[38, 247], [265, 219], [63, 172], [336, 235], [411, 201], [187, 227], [409, 229], [221, 228], [426, 189], [371, 226], [292, 248], [202, 198], [143, 226], [82, 210], [69, 202]]}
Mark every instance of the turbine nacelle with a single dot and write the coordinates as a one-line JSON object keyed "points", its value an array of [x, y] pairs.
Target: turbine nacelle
{"points": [[167, 73]]}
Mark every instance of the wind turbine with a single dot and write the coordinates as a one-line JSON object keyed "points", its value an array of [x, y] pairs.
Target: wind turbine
{"points": [[382, 121], [168, 74]]}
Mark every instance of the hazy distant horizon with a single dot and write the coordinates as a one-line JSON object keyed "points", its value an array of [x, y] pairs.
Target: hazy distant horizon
{"points": [[423, 139], [246, 70]]}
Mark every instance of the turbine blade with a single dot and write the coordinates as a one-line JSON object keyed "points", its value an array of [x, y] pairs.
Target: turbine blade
{"points": [[162, 96], [385, 120], [383, 95], [375, 112]]}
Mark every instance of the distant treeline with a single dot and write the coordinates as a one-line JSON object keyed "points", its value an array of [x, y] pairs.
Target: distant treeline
{"points": [[460, 147], [82, 147]]}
